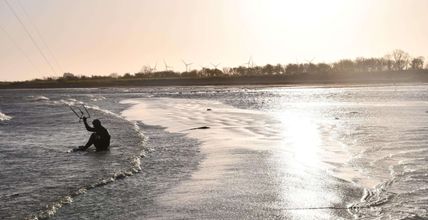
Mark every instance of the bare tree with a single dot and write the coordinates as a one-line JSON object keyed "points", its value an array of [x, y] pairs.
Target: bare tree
{"points": [[279, 69], [268, 69], [227, 71], [388, 62], [291, 69], [69, 76], [344, 66], [417, 63], [146, 69], [114, 75], [323, 68], [401, 59]]}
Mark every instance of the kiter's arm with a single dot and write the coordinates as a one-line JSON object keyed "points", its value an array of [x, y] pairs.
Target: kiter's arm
{"points": [[89, 128]]}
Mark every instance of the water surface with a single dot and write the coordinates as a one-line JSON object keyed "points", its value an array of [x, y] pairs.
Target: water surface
{"points": [[277, 152]]}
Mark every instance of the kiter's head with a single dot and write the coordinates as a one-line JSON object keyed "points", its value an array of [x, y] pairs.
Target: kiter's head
{"points": [[96, 123]]}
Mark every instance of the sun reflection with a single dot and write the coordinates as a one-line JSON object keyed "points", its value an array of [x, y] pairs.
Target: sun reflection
{"points": [[301, 134], [306, 186]]}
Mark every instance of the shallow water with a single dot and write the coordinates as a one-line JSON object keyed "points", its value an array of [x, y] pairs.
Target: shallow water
{"points": [[36, 172], [298, 153]]}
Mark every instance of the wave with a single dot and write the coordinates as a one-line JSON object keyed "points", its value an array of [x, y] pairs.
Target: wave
{"points": [[372, 200], [37, 98], [53, 208], [4, 117], [68, 102], [383, 202], [96, 98]]}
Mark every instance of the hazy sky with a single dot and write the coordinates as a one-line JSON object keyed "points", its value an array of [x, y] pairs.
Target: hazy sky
{"points": [[106, 36]]}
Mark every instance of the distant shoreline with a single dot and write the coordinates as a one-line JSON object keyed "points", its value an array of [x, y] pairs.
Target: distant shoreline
{"points": [[285, 80]]}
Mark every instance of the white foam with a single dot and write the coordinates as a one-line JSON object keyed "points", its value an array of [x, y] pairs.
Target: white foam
{"points": [[38, 98], [69, 102], [4, 117], [96, 98]]}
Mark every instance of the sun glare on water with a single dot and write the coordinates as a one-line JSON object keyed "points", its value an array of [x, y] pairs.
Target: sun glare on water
{"points": [[302, 135]]}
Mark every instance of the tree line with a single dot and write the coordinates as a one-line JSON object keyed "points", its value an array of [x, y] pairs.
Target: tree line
{"points": [[397, 60]]}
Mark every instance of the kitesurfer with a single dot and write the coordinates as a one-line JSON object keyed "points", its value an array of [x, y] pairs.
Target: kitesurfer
{"points": [[100, 137]]}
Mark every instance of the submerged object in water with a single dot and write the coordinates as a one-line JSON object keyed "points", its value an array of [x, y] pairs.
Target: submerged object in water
{"points": [[203, 127]]}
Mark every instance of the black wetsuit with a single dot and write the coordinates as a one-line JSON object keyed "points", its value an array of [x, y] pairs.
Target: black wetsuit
{"points": [[100, 138]]}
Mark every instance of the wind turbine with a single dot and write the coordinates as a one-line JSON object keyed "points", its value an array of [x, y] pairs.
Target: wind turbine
{"points": [[250, 62], [187, 65], [309, 65], [154, 68], [166, 66], [146, 69], [150, 68], [215, 65], [143, 69], [310, 61]]}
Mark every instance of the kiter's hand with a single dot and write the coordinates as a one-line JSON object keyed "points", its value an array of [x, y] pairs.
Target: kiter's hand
{"points": [[84, 118]]}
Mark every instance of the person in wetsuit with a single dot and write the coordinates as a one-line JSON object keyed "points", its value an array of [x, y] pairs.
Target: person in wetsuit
{"points": [[100, 137]]}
